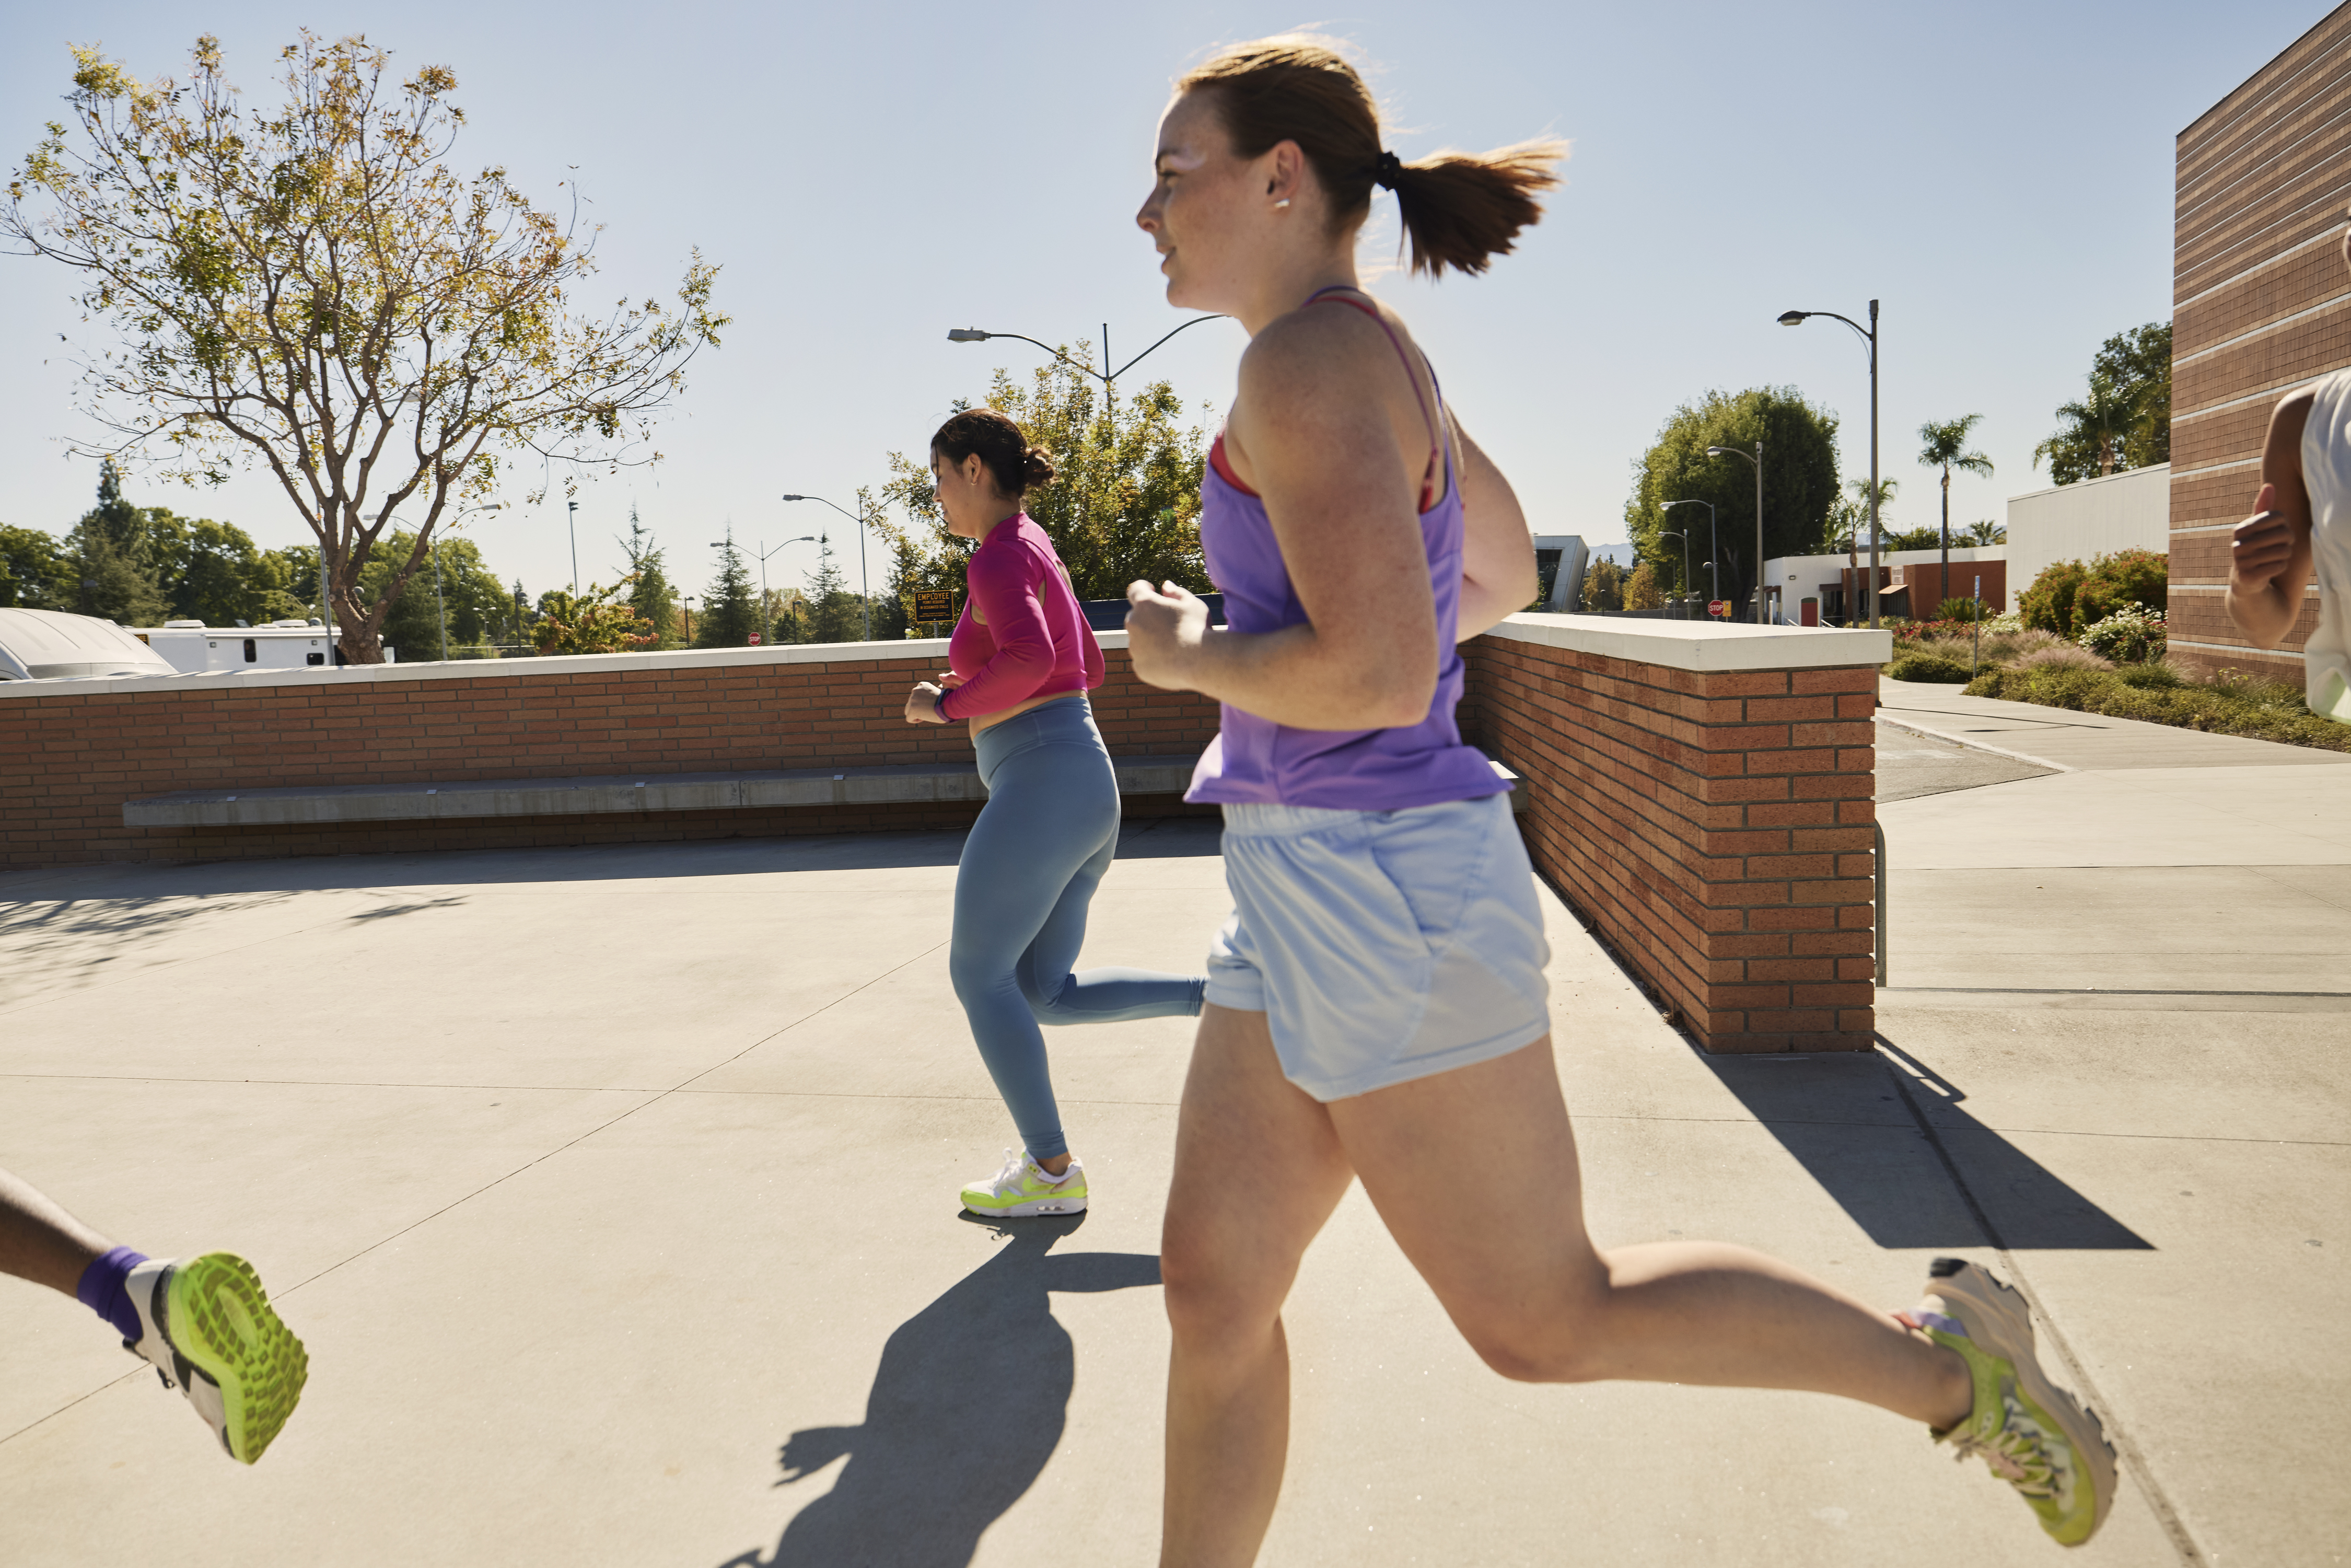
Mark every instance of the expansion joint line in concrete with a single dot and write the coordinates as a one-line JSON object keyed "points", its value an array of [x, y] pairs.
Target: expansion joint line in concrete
{"points": [[1916, 729], [1895, 1060]]}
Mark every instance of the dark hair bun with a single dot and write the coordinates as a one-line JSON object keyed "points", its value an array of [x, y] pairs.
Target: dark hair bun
{"points": [[991, 436]]}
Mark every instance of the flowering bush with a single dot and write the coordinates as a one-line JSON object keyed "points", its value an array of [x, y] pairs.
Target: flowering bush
{"points": [[2131, 635]]}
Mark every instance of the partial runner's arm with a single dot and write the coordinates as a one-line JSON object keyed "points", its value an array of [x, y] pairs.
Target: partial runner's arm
{"points": [[1498, 554], [1319, 429], [1003, 594], [2269, 554]]}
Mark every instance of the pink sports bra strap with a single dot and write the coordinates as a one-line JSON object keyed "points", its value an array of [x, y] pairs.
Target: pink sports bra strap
{"points": [[1335, 294]]}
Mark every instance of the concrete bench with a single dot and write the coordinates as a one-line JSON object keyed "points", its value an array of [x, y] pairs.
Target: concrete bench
{"points": [[622, 793]]}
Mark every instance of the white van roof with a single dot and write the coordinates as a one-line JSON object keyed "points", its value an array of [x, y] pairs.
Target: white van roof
{"points": [[49, 644]]}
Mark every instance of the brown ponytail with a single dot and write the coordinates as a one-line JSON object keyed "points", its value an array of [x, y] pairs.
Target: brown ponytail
{"points": [[1459, 210]]}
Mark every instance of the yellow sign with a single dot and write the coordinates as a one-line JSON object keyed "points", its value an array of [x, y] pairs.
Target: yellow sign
{"points": [[935, 605]]}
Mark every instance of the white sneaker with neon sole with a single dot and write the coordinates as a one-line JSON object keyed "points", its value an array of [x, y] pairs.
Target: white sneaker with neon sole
{"points": [[1022, 1189], [2033, 1435], [209, 1331]]}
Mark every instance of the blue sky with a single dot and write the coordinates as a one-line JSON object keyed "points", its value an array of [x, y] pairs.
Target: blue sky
{"points": [[2000, 175]]}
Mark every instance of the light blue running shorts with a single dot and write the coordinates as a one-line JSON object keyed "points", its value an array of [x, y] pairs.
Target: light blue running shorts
{"points": [[1382, 945]]}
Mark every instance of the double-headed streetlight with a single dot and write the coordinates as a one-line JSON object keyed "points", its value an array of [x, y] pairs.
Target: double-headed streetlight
{"points": [[865, 582], [1756, 458], [974, 335], [766, 622], [1869, 337], [1711, 534]]}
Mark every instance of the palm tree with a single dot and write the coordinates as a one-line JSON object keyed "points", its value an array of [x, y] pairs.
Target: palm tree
{"points": [[1947, 448], [2100, 422]]}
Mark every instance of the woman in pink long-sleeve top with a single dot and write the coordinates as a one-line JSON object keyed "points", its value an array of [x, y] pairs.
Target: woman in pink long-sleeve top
{"points": [[1023, 660]]}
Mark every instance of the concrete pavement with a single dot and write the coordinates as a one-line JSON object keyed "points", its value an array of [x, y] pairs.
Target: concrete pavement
{"points": [[612, 1190]]}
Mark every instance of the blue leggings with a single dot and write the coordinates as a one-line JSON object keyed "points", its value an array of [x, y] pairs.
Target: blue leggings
{"points": [[1029, 870]]}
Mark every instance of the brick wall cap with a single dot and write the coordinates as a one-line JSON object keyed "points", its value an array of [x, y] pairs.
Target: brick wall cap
{"points": [[931, 649], [1700, 645]]}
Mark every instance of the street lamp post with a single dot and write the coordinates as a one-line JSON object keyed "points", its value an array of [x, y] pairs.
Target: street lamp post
{"points": [[767, 622], [571, 520], [1868, 336], [689, 618], [1711, 533], [865, 580], [1758, 460]]}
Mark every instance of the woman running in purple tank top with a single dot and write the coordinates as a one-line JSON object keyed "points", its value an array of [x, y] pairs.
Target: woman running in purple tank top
{"points": [[1376, 1005]]}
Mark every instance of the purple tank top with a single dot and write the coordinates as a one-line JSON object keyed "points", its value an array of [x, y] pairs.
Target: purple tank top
{"points": [[1255, 761]]}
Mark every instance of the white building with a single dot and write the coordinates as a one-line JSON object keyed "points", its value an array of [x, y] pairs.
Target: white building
{"points": [[2131, 511], [1791, 580], [193, 648]]}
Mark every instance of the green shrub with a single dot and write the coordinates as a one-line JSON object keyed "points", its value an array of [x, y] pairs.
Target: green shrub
{"points": [[2229, 705], [1929, 667], [1967, 611], [2068, 596], [2131, 635]]}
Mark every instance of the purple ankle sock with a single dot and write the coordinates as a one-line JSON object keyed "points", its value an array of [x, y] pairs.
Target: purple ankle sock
{"points": [[101, 1289]]}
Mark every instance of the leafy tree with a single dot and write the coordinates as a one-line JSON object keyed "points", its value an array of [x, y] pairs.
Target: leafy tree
{"points": [[35, 574], [598, 622], [1603, 586], [312, 288], [2090, 442], [730, 606], [651, 595], [835, 614], [1641, 591], [1986, 532], [1800, 479], [1126, 502], [213, 571], [114, 572], [2140, 360], [1945, 447]]}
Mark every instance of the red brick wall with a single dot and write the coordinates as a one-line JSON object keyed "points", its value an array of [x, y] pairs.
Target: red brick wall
{"points": [[2261, 304], [1716, 827], [69, 756]]}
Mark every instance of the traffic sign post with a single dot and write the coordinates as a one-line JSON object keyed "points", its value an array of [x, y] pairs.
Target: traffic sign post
{"points": [[1717, 608]]}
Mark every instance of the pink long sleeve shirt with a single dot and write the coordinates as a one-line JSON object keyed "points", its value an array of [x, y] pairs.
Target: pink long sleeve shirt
{"points": [[1022, 634]]}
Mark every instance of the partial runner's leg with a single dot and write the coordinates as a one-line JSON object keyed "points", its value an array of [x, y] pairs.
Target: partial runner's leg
{"points": [[1258, 1172], [1032, 838], [1523, 1282], [1058, 995], [40, 1241]]}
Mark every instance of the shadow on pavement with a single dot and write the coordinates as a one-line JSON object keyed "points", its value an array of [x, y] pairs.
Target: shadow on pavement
{"points": [[1885, 1136], [967, 1406]]}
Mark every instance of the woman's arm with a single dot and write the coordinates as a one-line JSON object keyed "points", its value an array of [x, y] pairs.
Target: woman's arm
{"points": [[1498, 554], [1323, 452], [2269, 554], [1005, 597]]}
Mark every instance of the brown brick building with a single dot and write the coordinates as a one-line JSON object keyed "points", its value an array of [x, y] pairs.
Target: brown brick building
{"points": [[2261, 304]]}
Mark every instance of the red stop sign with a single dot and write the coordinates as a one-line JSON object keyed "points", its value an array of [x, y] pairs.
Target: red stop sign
{"points": [[1716, 607], [755, 636]]}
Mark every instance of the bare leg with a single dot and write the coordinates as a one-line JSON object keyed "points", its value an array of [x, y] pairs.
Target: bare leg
{"points": [[1227, 1255], [1516, 1271], [1522, 1282], [40, 1241]]}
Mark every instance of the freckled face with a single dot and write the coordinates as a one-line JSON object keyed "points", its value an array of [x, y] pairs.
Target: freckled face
{"points": [[1196, 210]]}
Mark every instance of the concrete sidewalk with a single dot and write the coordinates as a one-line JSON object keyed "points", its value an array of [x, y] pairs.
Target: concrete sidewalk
{"points": [[613, 1192]]}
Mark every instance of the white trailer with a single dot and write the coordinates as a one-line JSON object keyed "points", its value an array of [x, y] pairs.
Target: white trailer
{"points": [[193, 648]]}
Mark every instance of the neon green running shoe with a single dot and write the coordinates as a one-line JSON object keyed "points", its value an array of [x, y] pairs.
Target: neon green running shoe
{"points": [[2035, 1436], [211, 1332], [1022, 1187]]}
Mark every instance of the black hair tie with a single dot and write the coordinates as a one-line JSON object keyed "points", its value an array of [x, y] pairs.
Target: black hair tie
{"points": [[1386, 172]]}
